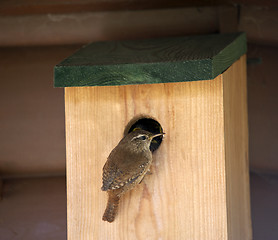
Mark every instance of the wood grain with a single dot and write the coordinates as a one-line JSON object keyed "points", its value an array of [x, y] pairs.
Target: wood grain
{"points": [[85, 27], [185, 197], [236, 151], [162, 60], [24, 7], [259, 30]]}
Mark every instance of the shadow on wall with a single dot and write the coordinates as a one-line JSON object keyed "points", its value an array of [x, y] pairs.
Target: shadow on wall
{"points": [[264, 206]]}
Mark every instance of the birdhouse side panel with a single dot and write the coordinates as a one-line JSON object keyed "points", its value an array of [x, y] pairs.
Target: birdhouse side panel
{"points": [[236, 151], [184, 197]]}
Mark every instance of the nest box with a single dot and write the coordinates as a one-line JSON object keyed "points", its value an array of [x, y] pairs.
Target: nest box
{"points": [[192, 87]]}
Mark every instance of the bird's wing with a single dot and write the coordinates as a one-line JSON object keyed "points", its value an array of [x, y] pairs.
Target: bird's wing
{"points": [[108, 175], [117, 176]]}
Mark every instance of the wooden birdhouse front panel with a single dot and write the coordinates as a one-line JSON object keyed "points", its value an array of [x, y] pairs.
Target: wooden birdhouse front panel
{"points": [[199, 186]]}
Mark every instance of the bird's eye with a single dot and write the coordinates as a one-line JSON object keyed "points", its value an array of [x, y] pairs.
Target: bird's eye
{"points": [[142, 137]]}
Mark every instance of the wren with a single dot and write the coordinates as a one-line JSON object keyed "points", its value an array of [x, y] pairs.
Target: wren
{"points": [[126, 167]]}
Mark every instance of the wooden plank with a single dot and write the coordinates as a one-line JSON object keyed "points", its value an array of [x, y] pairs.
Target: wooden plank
{"points": [[260, 29], [236, 151], [26, 7], [151, 61], [185, 197], [228, 18], [85, 27]]}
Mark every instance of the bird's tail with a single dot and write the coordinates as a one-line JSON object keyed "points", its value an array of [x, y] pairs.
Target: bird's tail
{"points": [[111, 208]]}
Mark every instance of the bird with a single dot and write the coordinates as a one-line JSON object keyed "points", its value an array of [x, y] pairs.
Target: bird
{"points": [[125, 168]]}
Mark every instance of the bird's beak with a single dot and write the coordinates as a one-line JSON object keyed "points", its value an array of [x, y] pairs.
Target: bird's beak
{"points": [[156, 135]]}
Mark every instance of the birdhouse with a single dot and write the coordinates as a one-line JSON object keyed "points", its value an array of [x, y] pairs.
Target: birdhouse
{"points": [[194, 88]]}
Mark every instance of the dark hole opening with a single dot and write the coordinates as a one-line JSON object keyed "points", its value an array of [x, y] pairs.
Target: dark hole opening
{"points": [[148, 124]]}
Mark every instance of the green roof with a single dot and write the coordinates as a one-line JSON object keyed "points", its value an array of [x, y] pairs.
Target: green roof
{"points": [[162, 60]]}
